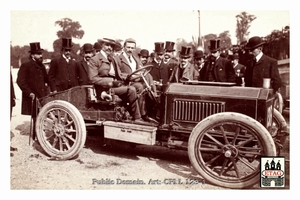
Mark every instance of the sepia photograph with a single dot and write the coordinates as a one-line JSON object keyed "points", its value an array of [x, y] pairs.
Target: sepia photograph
{"points": [[104, 98]]}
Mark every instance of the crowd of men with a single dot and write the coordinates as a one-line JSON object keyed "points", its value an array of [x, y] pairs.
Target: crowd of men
{"points": [[107, 64]]}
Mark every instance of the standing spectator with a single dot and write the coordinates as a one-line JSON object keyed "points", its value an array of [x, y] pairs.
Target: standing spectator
{"points": [[32, 80], [97, 48], [159, 73], [239, 69], [12, 104], [83, 64], [261, 66], [185, 69], [217, 68], [105, 74], [169, 60], [63, 73], [198, 60]]}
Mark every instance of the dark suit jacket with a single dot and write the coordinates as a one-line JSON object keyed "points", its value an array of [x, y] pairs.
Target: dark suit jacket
{"points": [[62, 74], [99, 71], [32, 78], [83, 76], [222, 70], [266, 67], [163, 71]]}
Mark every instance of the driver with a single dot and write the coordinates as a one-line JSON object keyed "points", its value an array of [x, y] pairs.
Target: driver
{"points": [[103, 71], [129, 62]]}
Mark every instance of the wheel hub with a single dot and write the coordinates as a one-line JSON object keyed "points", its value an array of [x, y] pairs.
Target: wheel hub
{"points": [[230, 151], [59, 130]]}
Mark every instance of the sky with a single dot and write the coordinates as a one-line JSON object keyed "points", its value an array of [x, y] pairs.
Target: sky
{"points": [[145, 26]]}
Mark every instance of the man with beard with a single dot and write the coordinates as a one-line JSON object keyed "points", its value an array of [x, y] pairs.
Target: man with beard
{"points": [[217, 68], [63, 73], [184, 69], [160, 75], [83, 64], [129, 61], [32, 80], [105, 74], [169, 61], [198, 60]]}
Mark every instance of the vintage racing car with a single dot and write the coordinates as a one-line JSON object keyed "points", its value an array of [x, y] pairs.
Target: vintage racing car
{"points": [[224, 127]]}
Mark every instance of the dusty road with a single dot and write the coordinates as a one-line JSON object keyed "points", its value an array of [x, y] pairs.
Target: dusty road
{"points": [[98, 167]]}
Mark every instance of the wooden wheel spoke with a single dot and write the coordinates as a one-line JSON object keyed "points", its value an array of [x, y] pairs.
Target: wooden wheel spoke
{"points": [[60, 144], [70, 138], [246, 163], [66, 142], [213, 139], [245, 142], [212, 160], [224, 135], [237, 131], [223, 167]]}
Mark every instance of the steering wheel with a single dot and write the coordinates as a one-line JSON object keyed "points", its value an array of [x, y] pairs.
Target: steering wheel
{"points": [[143, 71]]}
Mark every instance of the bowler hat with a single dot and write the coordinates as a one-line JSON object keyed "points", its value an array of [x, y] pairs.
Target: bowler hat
{"points": [[35, 47], [97, 46], [159, 47], [144, 53], [169, 46], [214, 45], [254, 42], [198, 54], [87, 47], [67, 43], [185, 52]]}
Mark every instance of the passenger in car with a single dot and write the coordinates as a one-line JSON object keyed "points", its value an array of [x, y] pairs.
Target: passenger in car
{"points": [[105, 73]]}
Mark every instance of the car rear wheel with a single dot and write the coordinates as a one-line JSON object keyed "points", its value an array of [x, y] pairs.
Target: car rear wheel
{"points": [[60, 129], [225, 149]]}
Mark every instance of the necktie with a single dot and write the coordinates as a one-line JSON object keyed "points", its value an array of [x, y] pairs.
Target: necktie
{"points": [[129, 59]]}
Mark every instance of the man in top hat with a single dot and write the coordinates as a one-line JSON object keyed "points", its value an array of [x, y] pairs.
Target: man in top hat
{"points": [[63, 72], [169, 60], [217, 68], [129, 61], [261, 66], [105, 74], [198, 60], [185, 69], [88, 52], [159, 73], [32, 80], [97, 48]]}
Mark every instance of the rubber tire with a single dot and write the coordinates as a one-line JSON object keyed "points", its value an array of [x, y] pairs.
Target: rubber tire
{"points": [[261, 132], [79, 127]]}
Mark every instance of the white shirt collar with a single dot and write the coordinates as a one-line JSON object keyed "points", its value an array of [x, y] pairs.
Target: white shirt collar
{"points": [[258, 57]]}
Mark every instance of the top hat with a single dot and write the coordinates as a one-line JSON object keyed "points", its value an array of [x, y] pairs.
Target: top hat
{"points": [[97, 46], [67, 43], [169, 46], [144, 53], [185, 52], [214, 45], [254, 42], [87, 47], [198, 54], [159, 47], [35, 47]]}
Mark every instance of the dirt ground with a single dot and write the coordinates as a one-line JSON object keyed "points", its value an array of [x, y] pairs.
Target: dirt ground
{"points": [[99, 167]]}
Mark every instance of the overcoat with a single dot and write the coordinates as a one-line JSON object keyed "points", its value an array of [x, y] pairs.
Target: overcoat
{"points": [[222, 70], [266, 67], [163, 70], [62, 74], [83, 68], [32, 78], [189, 72], [124, 65]]}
